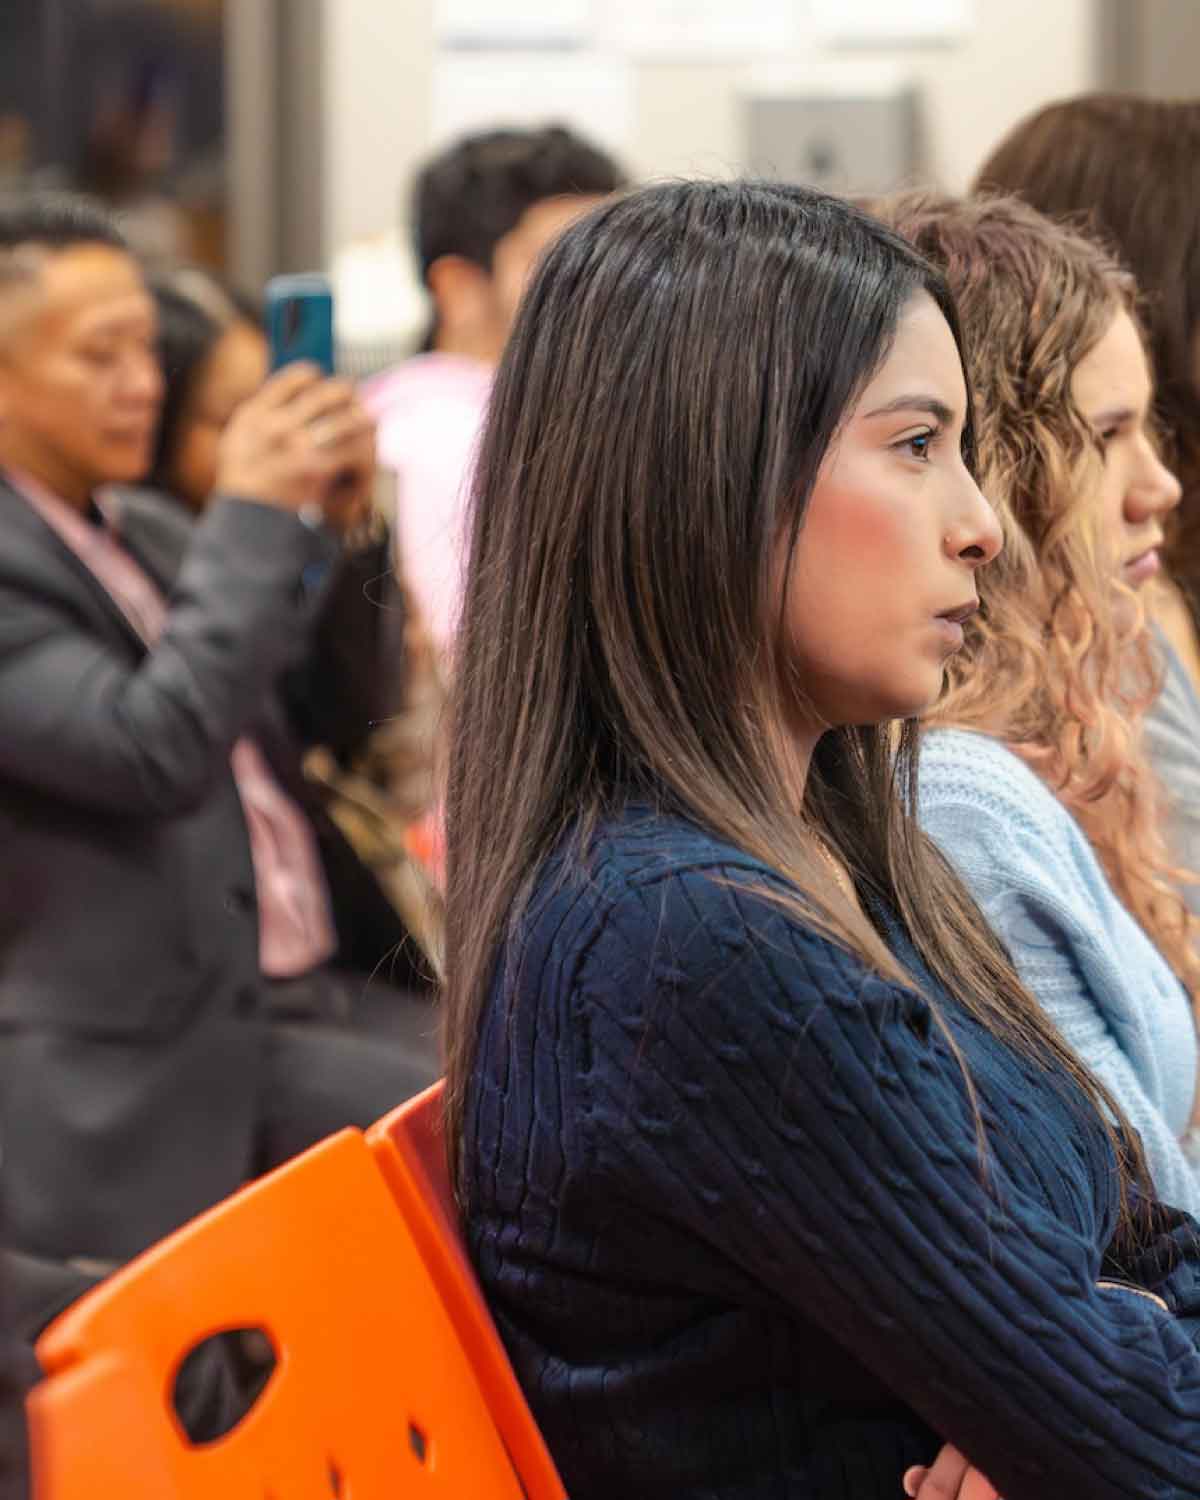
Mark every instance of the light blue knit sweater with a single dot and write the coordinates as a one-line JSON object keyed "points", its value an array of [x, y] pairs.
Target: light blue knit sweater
{"points": [[1032, 870]]}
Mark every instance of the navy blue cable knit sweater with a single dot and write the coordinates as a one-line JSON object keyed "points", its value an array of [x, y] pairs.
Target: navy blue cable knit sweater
{"points": [[726, 1205]]}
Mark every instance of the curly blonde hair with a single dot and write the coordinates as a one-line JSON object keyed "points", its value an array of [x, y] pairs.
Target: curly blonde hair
{"points": [[1062, 159], [1050, 667]]}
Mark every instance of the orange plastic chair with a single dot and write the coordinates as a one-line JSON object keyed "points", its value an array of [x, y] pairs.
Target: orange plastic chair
{"points": [[410, 1149], [373, 1394]]}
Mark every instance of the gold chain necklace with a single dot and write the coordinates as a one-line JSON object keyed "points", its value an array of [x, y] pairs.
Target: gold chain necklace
{"points": [[835, 868]]}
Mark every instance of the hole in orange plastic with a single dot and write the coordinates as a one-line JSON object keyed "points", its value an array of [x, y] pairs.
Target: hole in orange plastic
{"points": [[417, 1441], [220, 1379], [335, 1479]]}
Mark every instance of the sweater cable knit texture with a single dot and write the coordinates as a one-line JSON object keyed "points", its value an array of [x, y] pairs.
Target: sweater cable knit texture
{"points": [[726, 1205]]}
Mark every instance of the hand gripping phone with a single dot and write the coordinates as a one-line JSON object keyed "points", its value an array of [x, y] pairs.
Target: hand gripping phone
{"points": [[300, 320]]}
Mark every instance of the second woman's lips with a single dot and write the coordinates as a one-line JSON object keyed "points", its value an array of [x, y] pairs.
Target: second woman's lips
{"points": [[1145, 565], [961, 613]]}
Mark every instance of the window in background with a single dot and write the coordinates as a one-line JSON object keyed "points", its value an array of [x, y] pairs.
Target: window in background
{"points": [[124, 99]]}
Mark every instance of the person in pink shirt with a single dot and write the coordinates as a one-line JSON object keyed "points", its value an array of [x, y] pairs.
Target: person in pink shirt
{"points": [[482, 213]]}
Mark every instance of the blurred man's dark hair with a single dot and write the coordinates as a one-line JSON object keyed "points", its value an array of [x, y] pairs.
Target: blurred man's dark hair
{"points": [[474, 193], [55, 221]]}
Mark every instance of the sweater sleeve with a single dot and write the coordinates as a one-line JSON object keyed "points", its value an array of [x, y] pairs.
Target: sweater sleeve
{"points": [[1164, 1261], [804, 1116], [1039, 911]]}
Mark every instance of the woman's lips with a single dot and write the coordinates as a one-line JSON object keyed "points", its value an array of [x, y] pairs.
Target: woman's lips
{"points": [[1142, 567], [950, 622]]}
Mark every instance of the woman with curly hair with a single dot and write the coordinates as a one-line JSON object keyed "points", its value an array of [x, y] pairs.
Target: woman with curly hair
{"points": [[1034, 780], [1126, 170]]}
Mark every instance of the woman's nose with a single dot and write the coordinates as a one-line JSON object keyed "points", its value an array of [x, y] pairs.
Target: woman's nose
{"points": [[1154, 491], [975, 536]]}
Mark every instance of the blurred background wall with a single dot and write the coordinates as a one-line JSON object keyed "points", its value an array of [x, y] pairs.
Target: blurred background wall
{"points": [[265, 135], [382, 67]]}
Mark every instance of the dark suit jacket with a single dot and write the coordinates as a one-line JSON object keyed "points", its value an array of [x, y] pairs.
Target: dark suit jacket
{"points": [[348, 679], [17, 1373], [129, 989]]}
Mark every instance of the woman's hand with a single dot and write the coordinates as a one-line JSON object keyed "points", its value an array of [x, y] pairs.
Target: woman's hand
{"points": [[950, 1477], [302, 440]]}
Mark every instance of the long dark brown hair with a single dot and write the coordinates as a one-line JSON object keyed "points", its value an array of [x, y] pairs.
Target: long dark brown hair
{"points": [[680, 364], [1127, 170]]}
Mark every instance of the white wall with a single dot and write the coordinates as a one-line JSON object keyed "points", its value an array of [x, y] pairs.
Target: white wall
{"points": [[1023, 54], [1020, 54], [378, 73], [684, 116]]}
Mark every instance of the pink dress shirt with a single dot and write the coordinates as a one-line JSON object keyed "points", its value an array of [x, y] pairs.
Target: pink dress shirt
{"points": [[430, 410], [295, 924]]}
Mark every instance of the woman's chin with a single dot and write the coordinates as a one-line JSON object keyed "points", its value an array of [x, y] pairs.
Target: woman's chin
{"points": [[918, 701]]}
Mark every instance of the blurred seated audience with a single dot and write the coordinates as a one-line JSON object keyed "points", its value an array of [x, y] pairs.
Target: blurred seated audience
{"points": [[483, 211], [214, 356], [383, 798], [372, 675], [170, 1020], [1124, 169], [364, 667]]}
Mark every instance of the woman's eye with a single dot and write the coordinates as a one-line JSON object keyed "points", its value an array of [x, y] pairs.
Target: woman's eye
{"points": [[919, 446]]}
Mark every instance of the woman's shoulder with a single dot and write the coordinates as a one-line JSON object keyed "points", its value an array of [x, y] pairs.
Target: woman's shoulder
{"points": [[970, 758], [666, 894], [1015, 843], [638, 845], [980, 775], [666, 948], [613, 868], [1002, 825]]}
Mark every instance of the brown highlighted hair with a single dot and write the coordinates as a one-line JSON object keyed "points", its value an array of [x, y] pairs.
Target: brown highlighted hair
{"points": [[1050, 666], [681, 362], [1127, 170]]}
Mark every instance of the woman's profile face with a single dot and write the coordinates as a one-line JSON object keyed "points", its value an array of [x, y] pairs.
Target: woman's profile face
{"points": [[1113, 391], [235, 367], [895, 530]]}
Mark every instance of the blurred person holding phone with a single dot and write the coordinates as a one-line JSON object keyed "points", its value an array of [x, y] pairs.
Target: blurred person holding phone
{"points": [[483, 210], [357, 680], [156, 873]]}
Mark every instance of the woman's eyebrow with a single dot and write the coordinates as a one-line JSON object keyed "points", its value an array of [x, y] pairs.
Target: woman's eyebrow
{"points": [[916, 402], [1113, 417]]}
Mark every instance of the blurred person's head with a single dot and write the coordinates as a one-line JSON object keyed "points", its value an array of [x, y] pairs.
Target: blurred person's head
{"points": [[214, 356], [482, 213], [1127, 170], [1058, 662], [80, 386]]}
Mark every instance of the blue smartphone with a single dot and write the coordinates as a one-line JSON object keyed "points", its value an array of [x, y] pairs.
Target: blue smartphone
{"points": [[300, 320]]}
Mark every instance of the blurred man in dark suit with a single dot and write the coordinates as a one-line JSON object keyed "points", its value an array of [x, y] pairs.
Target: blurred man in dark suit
{"points": [[157, 876]]}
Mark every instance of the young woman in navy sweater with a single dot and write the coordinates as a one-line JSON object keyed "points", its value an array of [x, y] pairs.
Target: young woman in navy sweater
{"points": [[777, 1180]]}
